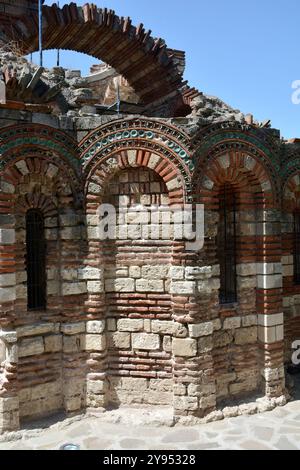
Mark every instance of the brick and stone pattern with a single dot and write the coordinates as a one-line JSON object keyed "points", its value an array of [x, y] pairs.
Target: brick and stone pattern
{"points": [[137, 320]]}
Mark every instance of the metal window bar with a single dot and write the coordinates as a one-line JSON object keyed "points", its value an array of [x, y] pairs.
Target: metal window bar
{"points": [[35, 260], [227, 246], [297, 247]]}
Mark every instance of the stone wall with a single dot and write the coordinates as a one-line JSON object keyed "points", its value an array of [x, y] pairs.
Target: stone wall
{"points": [[136, 321]]}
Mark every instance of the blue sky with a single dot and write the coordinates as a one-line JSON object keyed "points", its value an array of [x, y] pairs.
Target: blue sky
{"points": [[245, 52]]}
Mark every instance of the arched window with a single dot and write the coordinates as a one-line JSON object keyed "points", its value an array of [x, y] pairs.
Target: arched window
{"points": [[227, 244], [35, 260], [297, 247]]}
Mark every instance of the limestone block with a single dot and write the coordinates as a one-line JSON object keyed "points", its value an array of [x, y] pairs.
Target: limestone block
{"points": [[184, 347], [90, 273], [72, 404], [288, 270], [167, 344], [246, 335], [95, 326], [179, 389], [249, 320], [72, 328], [153, 161], [7, 280], [270, 320], [232, 323], [35, 329], [7, 294], [169, 328], [69, 274], [134, 384], [209, 285], [155, 272], [22, 167], [246, 269], [93, 342], [53, 288], [6, 187], [205, 344], [71, 344], [31, 346], [95, 287], [120, 285], [201, 329], [53, 343], [74, 288], [96, 386], [134, 272], [144, 341], [131, 325], [147, 285], [208, 402], [185, 403], [118, 340], [272, 281], [202, 390], [177, 272], [183, 287], [7, 236]]}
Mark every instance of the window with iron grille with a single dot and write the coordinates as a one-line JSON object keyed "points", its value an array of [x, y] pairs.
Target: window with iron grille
{"points": [[35, 260], [227, 245], [297, 247]]}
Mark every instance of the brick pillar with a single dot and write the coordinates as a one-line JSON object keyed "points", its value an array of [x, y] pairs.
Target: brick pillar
{"points": [[96, 341], [9, 403], [73, 316], [269, 303], [194, 382]]}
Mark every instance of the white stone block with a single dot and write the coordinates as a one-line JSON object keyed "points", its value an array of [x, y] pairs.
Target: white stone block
{"points": [[7, 294], [120, 285], [71, 329], [201, 329], [232, 323], [131, 325], [183, 287], [269, 281], [147, 285], [270, 320], [95, 326], [93, 342], [31, 347], [7, 236], [74, 288], [184, 347], [7, 280], [144, 341]]}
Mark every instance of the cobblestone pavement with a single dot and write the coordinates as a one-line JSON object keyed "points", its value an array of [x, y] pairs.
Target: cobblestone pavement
{"points": [[277, 429]]}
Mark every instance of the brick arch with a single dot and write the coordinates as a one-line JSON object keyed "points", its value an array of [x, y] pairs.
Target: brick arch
{"points": [[245, 140], [240, 169], [100, 175], [150, 67], [140, 142]]}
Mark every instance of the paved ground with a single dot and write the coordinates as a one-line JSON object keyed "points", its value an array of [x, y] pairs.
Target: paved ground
{"points": [[277, 429]]}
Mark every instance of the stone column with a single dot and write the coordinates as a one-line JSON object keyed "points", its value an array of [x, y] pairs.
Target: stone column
{"points": [[269, 303]]}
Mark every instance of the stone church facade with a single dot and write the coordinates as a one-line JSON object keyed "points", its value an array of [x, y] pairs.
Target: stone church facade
{"points": [[87, 323]]}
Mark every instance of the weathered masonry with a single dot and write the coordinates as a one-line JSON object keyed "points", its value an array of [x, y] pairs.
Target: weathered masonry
{"points": [[87, 323]]}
